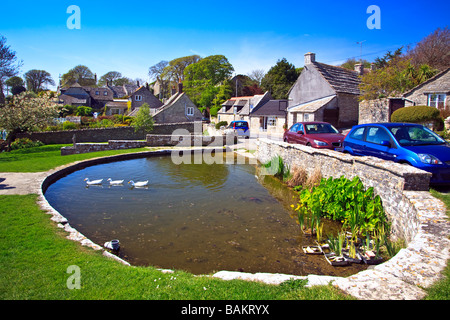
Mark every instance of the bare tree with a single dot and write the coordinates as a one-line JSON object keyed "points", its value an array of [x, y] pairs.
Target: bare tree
{"points": [[157, 72], [37, 79], [9, 66], [257, 75], [433, 50]]}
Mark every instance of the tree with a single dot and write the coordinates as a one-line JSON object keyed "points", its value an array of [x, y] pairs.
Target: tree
{"points": [[212, 69], [143, 121], [351, 62], [257, 75], [433, 50], [24, 112], [16, 84], [158, 73], [9, 66], [204, 75], [396, 77], [36, 80], [79, 74], [279, 79], [111, 78], [176, 67], [388, 57]]}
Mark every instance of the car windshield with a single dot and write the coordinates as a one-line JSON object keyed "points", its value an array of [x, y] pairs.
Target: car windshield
{"points": [[313, 128], [239, 124], [415, 136]]}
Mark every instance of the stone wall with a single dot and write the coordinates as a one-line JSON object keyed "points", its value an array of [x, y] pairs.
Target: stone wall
{"points": [[374, 111], [94, 147], [389, 180], [106, 134], [152, 140]]}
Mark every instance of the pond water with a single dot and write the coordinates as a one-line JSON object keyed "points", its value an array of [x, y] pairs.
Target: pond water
{"points": [[200, 218]]}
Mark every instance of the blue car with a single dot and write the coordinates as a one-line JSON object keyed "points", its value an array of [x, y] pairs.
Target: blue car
{"points": [[407, 143], [239, 127]]}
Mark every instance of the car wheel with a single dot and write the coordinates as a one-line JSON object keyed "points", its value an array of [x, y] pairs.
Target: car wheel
{"points": [[308, 144]]}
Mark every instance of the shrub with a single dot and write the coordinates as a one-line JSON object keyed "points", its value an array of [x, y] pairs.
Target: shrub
{"points": [[67, 125], [83, 111], [418, 114], [221, 123], [23, 143]]}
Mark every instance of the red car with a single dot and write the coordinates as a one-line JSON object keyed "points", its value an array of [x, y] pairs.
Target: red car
{"points": [[315, 134]]}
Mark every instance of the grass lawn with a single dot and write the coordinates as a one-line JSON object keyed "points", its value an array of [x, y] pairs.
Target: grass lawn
{"points": [[35, 255], [47, 157]]}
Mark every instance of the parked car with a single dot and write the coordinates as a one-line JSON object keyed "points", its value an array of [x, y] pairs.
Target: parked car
{"points": [[406, 143], [239, 127], [316, 134]]}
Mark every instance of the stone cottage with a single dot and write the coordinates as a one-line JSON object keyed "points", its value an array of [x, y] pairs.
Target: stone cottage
{"points": [[143, 95], [179, 108], [324, 92], [434, 92]]}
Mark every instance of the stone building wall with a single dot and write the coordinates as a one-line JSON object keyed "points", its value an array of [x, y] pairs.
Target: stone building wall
{"points": [[389, 180], [371, 111]]}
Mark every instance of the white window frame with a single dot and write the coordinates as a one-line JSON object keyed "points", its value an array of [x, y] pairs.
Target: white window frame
{"points": [[137, 97], [190, 111], [439, 98], [271, 121]]}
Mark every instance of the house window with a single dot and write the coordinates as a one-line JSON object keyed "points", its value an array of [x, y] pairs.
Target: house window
{"points": [[272, 122], [306, 117], [105, 93], [436, 100], [190, 111], [97, 93], [138, 98]]}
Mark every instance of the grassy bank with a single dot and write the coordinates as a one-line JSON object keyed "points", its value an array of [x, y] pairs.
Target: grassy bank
{"points": [[48, 157], [35, 255]]}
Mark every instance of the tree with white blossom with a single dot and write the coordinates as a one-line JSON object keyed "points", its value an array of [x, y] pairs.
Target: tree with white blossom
{"points": [[24, 112]]}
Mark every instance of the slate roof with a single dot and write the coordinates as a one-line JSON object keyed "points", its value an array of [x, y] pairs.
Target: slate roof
{"points": [[341, 79], [272, 108], [312, 106]]}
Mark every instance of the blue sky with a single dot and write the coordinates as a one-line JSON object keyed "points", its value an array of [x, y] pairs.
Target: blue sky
{"points": [[131, 36]]}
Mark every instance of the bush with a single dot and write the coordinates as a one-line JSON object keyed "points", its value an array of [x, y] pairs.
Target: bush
{"points": [[221, 123], [418, 114], [67, 125], [23, 143]]}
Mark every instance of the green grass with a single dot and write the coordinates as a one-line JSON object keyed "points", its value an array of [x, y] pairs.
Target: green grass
{"points": [[47, 157], [35, 255]]}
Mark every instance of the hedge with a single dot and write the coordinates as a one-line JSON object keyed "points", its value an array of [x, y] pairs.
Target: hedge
{"points": [[418, 114]]}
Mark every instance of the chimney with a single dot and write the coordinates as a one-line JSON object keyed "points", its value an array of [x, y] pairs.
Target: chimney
{"points": [[95, 78], [180, 86], [174, 90], [310, 58], [137, 82], [359, 67]]}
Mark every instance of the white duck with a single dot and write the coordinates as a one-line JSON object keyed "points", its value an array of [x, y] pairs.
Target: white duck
{"points": [[138, 184], [89, 182], [114, 182]]}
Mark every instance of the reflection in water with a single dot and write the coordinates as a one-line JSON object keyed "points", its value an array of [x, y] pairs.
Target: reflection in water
{"points": [[200, 218]]}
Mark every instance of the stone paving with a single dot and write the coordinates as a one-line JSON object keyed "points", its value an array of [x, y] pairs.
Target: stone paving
{"points": [[401, 278]]}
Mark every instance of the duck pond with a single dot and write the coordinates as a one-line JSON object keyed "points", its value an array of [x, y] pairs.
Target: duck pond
{"points": [[200, 218]]}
